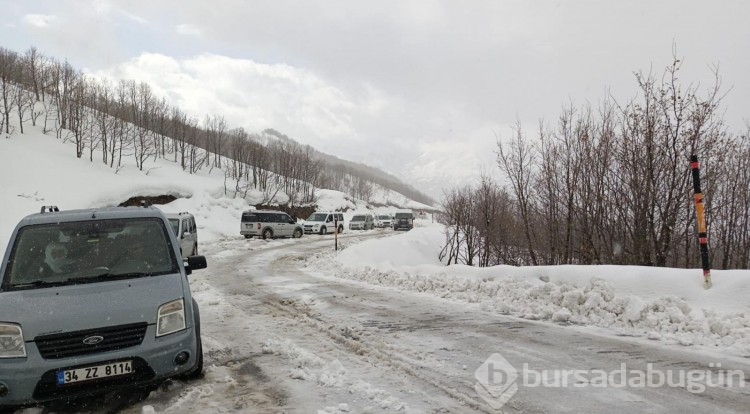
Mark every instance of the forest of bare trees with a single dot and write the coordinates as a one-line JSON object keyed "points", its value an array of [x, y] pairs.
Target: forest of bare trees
{"points": [[611, 185], [110, 121]]}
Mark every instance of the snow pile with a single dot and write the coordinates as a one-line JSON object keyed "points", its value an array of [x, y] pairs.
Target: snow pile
{"points": [[380, 397], [659, 304], [307, 365]]}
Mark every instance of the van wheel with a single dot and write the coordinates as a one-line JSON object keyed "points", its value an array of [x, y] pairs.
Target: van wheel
{"points": [[267, 234], [247, 236], [341, 229], [297, 233], [323, 230], [197, 371]]}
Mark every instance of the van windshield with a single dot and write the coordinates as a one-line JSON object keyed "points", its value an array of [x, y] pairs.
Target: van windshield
{"points": [[404, 215], [318, 217], [69, 253], [358, 218], [384, 217]]}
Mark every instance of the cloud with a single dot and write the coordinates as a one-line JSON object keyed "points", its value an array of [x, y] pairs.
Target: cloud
{"points": [[133, 17], [252, 95], [39, 20], [187, 30], [354, 121], [106, 9]]}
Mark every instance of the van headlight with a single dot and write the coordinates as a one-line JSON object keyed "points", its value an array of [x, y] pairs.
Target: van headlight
{"points": [[171, 318], [11, 341]]}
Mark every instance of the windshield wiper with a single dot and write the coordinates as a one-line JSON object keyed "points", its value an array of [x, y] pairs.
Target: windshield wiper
{"points": [[36, 283], [108, 276]]}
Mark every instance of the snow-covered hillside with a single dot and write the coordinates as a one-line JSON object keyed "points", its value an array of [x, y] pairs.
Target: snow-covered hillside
{"points": [[38, 169]]}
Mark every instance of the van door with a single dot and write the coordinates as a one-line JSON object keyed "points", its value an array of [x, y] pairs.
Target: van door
{"points": [[281, 225], [331, 223], [192, 238], [340, 218]]}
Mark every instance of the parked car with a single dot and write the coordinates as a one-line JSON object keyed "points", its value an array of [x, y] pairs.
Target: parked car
{"points": [[361, 222], [183, 225], [403, 220], [269, 224], [323, 222], [384, 220], [92, 301]]}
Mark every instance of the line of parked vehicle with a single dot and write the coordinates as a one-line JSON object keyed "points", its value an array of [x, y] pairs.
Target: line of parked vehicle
{"points": [[269, 224]]}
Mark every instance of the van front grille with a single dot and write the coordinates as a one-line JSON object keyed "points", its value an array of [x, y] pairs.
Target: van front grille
{"points": [[70, 344]]}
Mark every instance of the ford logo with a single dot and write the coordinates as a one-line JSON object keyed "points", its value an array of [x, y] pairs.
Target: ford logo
{"points": [[93, 340]]}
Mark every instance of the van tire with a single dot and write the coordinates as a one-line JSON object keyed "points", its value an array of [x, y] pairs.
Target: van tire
{"points": [[197, 371], [341, 229], [267, 234], [247, 236], [297, 233], [323, 230]]}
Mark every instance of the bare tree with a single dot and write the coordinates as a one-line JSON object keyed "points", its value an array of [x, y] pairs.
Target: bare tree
{"points": [[517, 161], [8, 67]]}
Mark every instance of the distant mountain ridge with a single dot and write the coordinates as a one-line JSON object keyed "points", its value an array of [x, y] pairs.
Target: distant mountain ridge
{"points": [[374, 174]]}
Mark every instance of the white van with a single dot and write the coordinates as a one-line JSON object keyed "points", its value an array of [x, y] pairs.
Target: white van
{"points": [[323, 222], [183, 225]]}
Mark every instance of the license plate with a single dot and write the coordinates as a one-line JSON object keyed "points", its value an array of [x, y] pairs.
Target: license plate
{"points": [[96, 372]]}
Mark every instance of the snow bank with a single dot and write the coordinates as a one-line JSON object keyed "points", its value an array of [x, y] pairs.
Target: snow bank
{"points": [[666, 304]]}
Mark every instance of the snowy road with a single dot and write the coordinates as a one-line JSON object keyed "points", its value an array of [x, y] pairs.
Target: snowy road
{"points": [[279, 337]]}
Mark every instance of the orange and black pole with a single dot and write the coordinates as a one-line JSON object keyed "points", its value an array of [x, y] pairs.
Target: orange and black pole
{"points": [[702, 233]]}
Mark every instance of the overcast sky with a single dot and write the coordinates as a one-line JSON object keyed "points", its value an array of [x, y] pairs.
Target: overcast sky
{"points": [[418, 88]]}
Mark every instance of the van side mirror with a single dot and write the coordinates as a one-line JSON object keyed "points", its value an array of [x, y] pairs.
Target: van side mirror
{"points": [[292, 222], [195, 263]]}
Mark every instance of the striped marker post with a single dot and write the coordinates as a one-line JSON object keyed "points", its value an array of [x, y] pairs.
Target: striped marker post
{"points": [[702, 233]]}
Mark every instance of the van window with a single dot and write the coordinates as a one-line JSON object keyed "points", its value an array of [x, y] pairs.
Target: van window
{"points": [[175, 223], [317, 217], [249, 217]]}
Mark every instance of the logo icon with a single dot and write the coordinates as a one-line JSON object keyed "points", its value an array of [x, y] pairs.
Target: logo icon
{"points": [[496, 381], [93, 339]]}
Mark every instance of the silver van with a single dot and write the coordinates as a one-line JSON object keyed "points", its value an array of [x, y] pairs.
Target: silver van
{"points": [[92, 301], [269, 224], [361, 222], [183, 225]]}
